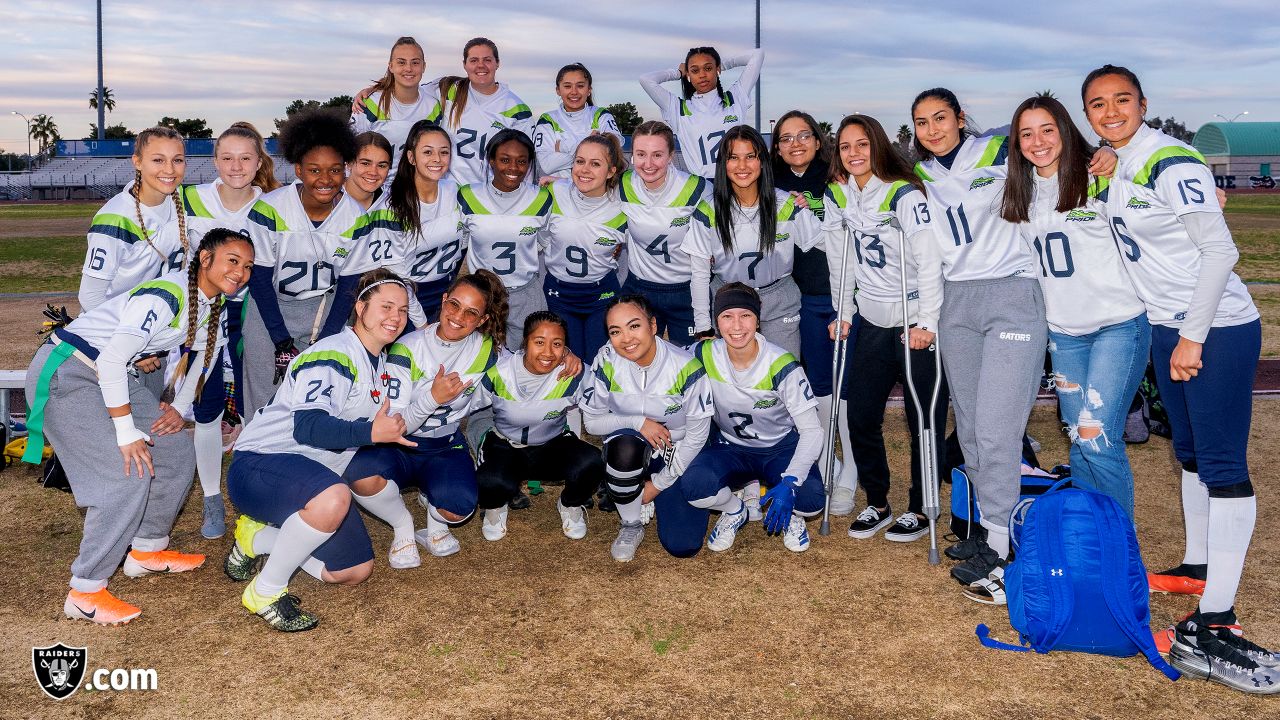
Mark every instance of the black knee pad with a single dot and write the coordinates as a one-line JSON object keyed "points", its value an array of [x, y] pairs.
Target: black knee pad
{"points": [[1242, 489], [626, 460]]}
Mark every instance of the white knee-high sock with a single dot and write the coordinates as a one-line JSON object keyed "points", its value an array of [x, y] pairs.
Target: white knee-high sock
{"points": [[849, 473], [1195, 518], [264, 540], [999, 541], [387, 506], [313, 567], [629, 513], [1231, 522], [724, 501], [295, 543], [208, 441], [436, 524], [824, 417]]}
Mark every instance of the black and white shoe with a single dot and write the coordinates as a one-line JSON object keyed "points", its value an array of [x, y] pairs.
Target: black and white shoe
{"points": [[990, 590], [908, 527], [978, 566], [1199, 651], [870, 521]]}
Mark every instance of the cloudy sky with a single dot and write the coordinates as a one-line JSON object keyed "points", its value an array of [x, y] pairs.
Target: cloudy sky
{"points": [[233, 60]]}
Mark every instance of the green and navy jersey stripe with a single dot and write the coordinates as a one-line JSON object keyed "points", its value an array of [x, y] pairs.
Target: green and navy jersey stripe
{"points": [[336, 361], [117, 226]]}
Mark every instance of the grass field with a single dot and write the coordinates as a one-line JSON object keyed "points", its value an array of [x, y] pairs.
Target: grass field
{"points": [[536, 626]]}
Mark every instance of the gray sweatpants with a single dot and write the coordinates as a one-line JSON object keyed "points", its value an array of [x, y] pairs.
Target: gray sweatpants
{"points": [[259, 372], [992, 335], [779, 313], [521, 302], [118, 508]]}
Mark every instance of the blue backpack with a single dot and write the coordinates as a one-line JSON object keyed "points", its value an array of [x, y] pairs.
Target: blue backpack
{"points": [[1077, 581]]}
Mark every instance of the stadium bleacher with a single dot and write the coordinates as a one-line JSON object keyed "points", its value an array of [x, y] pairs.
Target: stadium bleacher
{"points": [[91, 178]]}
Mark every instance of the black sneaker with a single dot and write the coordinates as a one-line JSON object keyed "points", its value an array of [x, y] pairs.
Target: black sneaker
{"points": [[977, 567], [1199, 652], [870, 521], [908, 527], [966, 548]]}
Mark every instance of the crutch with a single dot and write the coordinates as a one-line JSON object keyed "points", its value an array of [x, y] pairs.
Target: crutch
{"points": [[928, 444], [837, 377]]}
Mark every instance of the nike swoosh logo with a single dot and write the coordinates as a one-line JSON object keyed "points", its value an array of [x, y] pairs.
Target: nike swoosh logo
{"points": [[82, 612]]}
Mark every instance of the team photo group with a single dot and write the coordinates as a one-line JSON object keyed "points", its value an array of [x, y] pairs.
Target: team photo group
{"points": [[460, 295]]}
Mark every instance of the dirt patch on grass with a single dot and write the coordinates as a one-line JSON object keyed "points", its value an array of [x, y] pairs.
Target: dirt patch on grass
{"points": [[20, 319], [21, 227], [537, 626]]}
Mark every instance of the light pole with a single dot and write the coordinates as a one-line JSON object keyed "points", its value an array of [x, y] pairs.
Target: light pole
{"points": [[1233, 119], [24, 117], [758, 101]]}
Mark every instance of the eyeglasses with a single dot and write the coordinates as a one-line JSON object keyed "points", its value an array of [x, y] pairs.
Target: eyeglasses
{"points": [[472, 315], [803, 137]]}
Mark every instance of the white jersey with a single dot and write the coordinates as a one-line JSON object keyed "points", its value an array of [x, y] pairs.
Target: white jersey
{"points": [[873, 215], [701, 121], [1158, 181], [797, 227], [303, 257], [434, 252], [335, 375], [657, 223], [156, 310], [483, 117], [964, 206], [530, 416], [567, 129], [124, 253], [756, 407], [395, 123], [205, 211], [583, 235], [502, 231], [672, 390], [414, 362], [1084, 282]]}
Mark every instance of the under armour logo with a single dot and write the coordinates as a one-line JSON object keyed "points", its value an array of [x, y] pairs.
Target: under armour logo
{"points": [[1055, 572], [553, 293], [1266, 678]]}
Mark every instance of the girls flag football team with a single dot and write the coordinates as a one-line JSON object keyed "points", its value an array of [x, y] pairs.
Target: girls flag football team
{"points": [[456, 291]]}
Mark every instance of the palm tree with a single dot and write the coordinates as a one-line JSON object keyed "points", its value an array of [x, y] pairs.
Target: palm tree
{"points": [[108, 101], [44, 131]]}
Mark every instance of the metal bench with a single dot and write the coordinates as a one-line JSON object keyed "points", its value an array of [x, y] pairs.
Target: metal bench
{"points": [[9, 380]]}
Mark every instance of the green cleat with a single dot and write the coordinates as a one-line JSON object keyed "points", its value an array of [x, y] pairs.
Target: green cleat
{"points": [[241, 562], [280, 612]]}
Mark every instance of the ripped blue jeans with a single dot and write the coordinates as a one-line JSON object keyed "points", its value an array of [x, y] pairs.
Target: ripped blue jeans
{"points": [[1095, 377]]}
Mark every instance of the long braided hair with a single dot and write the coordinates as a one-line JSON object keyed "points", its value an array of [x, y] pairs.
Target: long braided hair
{"points": [[145, 137], [212, 240]]}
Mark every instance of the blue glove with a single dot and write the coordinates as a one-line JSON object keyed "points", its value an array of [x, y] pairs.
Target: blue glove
{"points": [[781, 500]]}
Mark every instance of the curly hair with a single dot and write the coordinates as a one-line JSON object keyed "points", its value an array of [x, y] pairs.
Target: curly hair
{"points": [[320, 127], [496, 306]]}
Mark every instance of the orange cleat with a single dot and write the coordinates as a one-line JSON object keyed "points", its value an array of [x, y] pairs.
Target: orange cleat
{"points": [[1164, 639], [1176, 584], [99, 607], [139, 563]]}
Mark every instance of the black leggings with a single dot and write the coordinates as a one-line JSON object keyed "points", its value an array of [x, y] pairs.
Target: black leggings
{"points": [[505, 467], [877, 365]]}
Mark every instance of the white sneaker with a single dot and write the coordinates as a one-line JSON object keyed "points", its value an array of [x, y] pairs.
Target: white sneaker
{"points": [[442, 544], [422, 500], [404, 555], [750, 495], [726, 530], [842, 502], [494, 524], [796, 537], [628, 541], [647, 511], [573, 520]]}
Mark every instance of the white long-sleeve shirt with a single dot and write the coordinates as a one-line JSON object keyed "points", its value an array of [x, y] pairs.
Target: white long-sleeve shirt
{"points": [[700, 122]]}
